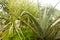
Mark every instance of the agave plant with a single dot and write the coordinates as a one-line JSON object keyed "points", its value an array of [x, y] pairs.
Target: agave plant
{"points": [[44, 28]]}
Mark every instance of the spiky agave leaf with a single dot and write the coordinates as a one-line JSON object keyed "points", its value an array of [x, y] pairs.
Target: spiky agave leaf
{"points": [[52, 30], [39, 29]]}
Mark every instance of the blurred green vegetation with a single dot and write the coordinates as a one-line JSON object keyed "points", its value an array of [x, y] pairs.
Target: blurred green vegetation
{"points": [[23, 20]]}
